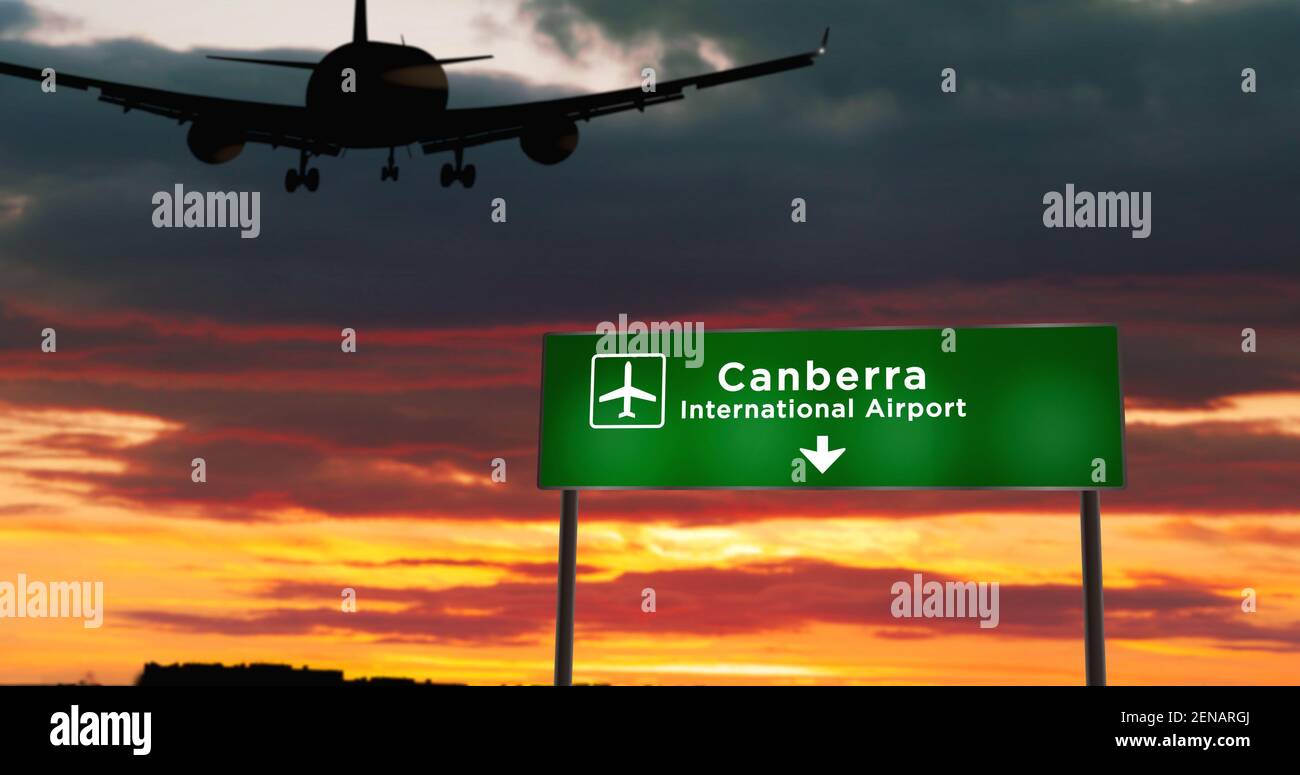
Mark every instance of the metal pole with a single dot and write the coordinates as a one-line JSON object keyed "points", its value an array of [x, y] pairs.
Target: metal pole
{"points": [[1094, 623], [568, 583]]}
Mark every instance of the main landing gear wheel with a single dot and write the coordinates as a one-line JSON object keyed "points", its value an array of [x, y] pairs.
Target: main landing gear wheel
{"points": [[293, 180], [465, 173], [302, 176]]}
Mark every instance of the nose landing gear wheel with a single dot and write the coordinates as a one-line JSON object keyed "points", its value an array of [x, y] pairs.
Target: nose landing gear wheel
{"points": [[292, 180], [390, 171], [468, 176], [448, 175], [313, 179]]}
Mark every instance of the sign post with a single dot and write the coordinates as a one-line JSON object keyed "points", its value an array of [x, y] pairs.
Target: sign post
{"points": [[1094, 624], [1007, 407], [568, 584]]}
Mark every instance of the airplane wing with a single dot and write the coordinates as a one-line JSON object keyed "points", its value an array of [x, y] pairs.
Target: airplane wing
{"points": [[624, 392], [464, 128], [615, 395], [641, 394], [275, 125]]}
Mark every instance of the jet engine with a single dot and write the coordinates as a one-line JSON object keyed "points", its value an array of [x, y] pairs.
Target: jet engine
{"points": [[550, 143], [215, 144]]}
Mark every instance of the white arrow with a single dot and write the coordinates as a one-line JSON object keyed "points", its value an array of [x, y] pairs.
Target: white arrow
{"points": [[823, 457]]}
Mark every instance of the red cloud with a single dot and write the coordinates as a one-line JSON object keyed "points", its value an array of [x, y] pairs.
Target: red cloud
{"points": [[754, 598], [410, 423]]}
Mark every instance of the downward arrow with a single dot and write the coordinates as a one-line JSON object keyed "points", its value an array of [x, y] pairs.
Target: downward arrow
{"points": [[823, 457]]}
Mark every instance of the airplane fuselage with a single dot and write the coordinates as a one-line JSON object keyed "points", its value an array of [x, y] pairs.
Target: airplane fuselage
{"points": [[376, 95], [627, 407]]}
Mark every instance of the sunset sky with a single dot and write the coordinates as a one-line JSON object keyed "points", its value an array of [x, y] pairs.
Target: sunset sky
{"points": [[372, 470]]}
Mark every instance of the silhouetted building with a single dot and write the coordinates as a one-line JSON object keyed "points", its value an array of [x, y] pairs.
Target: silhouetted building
{"points": [[258, 675]]}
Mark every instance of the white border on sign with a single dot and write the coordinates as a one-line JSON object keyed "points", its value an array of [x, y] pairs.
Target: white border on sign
{"points": [[663, 392]]}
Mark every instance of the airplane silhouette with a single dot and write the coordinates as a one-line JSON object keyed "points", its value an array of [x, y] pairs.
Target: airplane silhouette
{"points": [[399, 99], [627, 393]]}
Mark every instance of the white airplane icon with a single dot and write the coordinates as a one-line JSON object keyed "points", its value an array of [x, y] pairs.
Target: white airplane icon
{"points": [[627, 393]]}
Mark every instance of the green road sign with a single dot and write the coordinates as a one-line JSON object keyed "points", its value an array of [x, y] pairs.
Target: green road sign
{"points": [[1016, 407]]}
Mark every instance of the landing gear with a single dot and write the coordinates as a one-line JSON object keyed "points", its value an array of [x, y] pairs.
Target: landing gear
{"points": [[302, 176], [465, 173], [391, 171]]}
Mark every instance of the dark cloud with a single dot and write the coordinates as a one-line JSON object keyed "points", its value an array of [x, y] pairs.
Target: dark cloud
{"points": [[674, 214], [16, 17], [688, 205]]}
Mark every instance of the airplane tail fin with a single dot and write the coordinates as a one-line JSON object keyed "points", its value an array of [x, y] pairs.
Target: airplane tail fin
{"points": [[359, 32]]}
